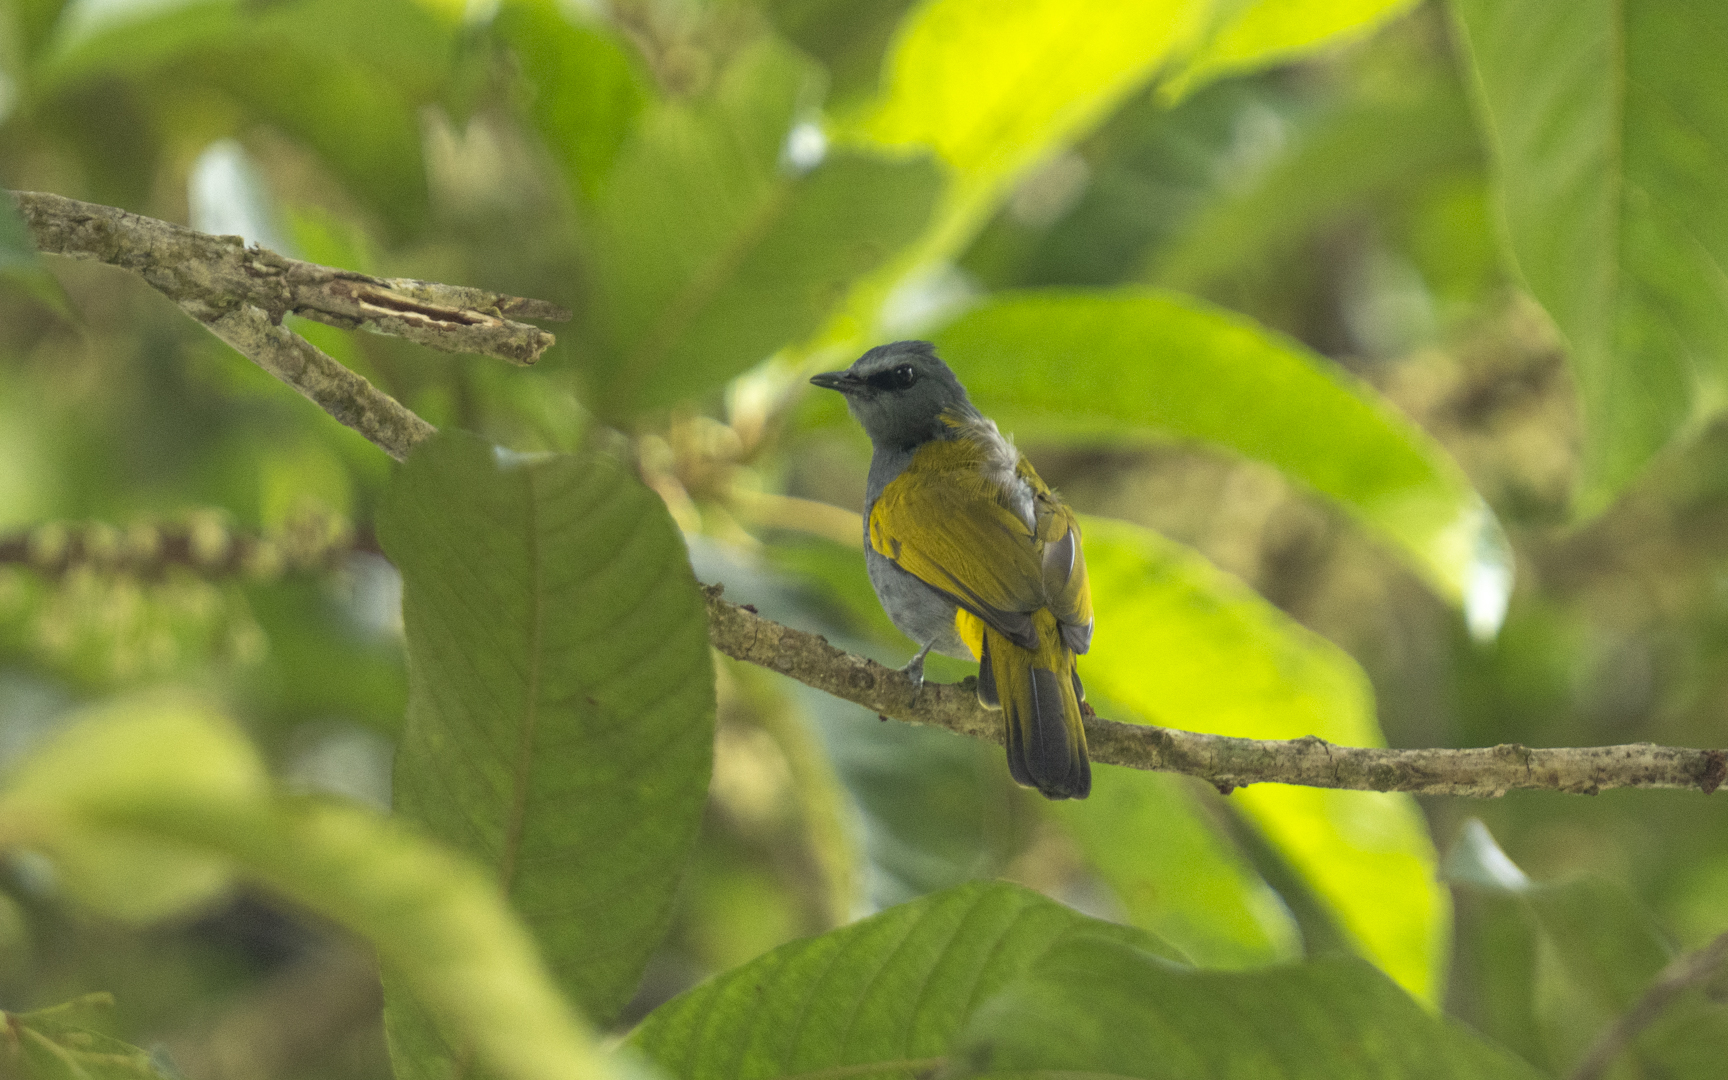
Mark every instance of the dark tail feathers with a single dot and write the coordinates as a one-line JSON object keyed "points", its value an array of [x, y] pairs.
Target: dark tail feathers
{"points": [[1041, 716]]}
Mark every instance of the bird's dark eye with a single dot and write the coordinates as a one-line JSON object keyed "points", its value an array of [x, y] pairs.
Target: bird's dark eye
{"points": [[895, 378]]}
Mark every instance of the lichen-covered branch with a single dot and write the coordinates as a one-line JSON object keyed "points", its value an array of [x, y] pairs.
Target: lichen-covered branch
{"points": [[1225, 762], [338, 390], [212, 276]]}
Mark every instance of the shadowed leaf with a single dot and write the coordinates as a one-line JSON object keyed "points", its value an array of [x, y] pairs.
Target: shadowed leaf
{"points": [[1094, 1008], [561, 694], [1608, 123], [895, 988]]}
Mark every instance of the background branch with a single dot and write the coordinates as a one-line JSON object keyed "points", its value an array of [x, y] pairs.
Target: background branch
{"points": [[1686, 971], [241, 293]]}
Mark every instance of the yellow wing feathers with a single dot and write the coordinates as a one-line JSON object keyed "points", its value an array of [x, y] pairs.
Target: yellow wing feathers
{"points": [[988, 558], [1009, 557]]}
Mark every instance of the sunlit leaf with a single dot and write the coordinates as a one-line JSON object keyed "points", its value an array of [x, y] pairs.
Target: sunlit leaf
{"points": [[1093, 1008], [1133, 363], [893, 990], [124, 755], [1266, 32], [561, 693], [1608, 123], [1545, 967], [994, 89], [1182, 644], [144, 778]]}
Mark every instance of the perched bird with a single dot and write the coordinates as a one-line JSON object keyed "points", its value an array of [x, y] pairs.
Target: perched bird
{"points": [[974, 556]]}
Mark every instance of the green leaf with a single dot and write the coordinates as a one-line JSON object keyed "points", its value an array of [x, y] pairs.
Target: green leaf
{"points": [[1132, 362], [561, 693], [349, 80], [168, 775], [1102, 1008], [995, 89], [1174, 874], [1608, 123], [893, 990], [52, 1043], [1375, 151], [711, 251], [1266, 32], [1183, 644], [127, 755], [1546, 967], [586, 89], [17, 251]]}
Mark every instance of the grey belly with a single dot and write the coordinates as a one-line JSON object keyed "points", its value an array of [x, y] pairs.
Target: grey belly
{"points": [[921, 613]]}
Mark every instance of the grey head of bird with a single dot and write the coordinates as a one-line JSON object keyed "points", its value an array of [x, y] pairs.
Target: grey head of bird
{"points": [[899, 392]]}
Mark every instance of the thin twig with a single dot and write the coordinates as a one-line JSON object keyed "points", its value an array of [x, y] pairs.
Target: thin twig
{"points": [[1682, 974], [1225, 762], [241, 293], [212, 276]]}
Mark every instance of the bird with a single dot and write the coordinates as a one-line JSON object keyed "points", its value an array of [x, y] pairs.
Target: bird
{"points": [[973, 556]]}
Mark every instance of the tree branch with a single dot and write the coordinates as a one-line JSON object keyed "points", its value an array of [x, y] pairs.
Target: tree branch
{"points": [[1225, 762], [1685, 972], [212, 276], [241, 295]]}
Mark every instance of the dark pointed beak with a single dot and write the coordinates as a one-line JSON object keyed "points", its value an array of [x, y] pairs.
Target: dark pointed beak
{"points": [[843, 381]]}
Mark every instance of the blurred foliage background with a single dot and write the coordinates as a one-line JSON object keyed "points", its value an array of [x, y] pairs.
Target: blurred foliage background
{"points": [[1244, 280]]}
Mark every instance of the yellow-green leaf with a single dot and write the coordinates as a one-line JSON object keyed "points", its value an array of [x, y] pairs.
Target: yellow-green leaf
{"points": [[1266, 32], [1181, 643]]}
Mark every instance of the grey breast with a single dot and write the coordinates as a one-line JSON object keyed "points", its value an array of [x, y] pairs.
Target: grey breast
{"points": [[920, 612]]}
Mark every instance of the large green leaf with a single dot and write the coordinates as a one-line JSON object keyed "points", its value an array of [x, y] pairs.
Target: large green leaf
{"points": [[712, 249], [561, 693], [1182, 644], [1109, 365], [133, 794], [994, 89], [1608, 123], [1265, 32], [1173, 872], [1094, 1008], [1545, 967], [891, 991]]}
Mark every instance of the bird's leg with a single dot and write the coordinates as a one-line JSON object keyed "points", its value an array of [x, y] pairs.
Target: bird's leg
{"points": [[914, 668]]}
